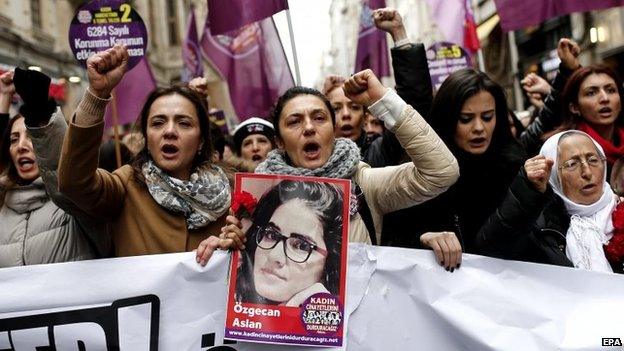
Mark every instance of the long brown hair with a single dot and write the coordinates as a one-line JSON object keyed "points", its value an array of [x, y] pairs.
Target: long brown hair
{"points": [[203, 157], [8, 173], [570, 93]]}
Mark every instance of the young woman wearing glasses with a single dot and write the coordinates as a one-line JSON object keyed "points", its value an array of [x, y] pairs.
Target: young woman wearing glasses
{"points": [[293, 246]]}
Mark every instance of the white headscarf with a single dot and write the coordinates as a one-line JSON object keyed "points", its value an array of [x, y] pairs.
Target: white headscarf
{"points": [[591, 226]]}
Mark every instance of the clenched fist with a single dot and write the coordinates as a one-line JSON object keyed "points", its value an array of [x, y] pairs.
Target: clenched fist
{"points": [[105, 70]]}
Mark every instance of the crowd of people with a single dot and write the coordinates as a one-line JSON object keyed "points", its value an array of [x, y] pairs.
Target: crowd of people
{"points": [[453, 171]]}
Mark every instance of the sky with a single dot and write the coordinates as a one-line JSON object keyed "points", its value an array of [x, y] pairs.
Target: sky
{"points": [[312, 33]]}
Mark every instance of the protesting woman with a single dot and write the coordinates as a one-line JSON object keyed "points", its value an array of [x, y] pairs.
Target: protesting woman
{"points": [[470, 114], [171, 197], [304, 124], [39, 225], [293, 245], [592, 98], [560, 210]]}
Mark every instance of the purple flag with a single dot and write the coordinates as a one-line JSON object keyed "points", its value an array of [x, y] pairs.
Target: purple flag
{"points": [[455, 21], [372, 49], [253, 62], [516, 14], [191, 54], [229, 15], [131, 93]]}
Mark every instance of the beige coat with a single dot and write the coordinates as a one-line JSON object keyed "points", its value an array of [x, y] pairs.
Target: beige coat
{"points": [[138, 224], [432, 171]]}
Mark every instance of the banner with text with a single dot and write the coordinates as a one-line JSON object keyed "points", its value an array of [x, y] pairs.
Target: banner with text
{"points": [[398, 299]]}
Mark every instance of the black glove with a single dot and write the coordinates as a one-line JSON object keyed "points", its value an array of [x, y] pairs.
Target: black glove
{"points": [[32, 87]]}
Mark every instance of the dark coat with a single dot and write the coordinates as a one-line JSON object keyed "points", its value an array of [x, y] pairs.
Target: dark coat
{"points": [[483, 180], [528, 226]]}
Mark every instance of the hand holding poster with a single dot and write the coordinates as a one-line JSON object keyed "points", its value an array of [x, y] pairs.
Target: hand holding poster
{"points": [[288, 285], [100, 24]]}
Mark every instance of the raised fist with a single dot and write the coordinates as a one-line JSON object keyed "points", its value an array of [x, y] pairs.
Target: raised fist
{"points": [[364, 88], [105, 70], [568, 52], [538, 170], [389, 20]]}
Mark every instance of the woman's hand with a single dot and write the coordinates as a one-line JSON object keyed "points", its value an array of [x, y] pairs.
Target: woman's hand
{"points": [[301, 296], [389, 20], [447, 249], [200, 86], [232, 233], [7, 90], [568, 51], [538, 170], [105, 70], [532, 83], [364, 88], [206, 248]]}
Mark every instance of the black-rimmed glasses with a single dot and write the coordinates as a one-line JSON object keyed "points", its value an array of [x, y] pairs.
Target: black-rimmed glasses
{"points": [[296, 246]]}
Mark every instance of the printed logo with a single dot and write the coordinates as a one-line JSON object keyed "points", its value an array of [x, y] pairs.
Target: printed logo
{"points": [[84, 16], [322, 314]]}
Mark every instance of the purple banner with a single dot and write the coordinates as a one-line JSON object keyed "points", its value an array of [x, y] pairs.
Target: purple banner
{"points": [[130, 94], [253, 62], [191, 54], [229, 15], [445, 58], [454, 19], [517, 14], [372, 49], [100, 24]]}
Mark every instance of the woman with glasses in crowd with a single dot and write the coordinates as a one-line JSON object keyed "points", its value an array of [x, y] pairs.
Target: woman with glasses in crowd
{"points": [[293, 245], [559, 209]]}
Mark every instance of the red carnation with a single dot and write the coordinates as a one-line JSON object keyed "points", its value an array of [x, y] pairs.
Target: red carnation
{"points": [[243, 204], [614, 250], [618, 217]]}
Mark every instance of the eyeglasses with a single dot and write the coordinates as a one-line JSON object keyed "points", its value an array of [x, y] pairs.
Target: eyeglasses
{"points": [[296, 247], [573, 164]]}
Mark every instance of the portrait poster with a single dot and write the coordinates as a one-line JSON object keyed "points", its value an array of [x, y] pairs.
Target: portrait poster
{"points": [[288, 285]]}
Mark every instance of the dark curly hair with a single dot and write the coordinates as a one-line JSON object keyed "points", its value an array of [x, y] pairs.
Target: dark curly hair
{"points": [[323, 198], [291, 94]]}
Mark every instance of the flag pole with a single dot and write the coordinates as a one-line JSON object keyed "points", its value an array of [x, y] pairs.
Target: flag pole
{"points": [[116, 130], [474, 5], [294, 49]]}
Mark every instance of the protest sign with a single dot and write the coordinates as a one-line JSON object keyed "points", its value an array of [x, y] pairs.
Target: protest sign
{"points": [[445, 58], [288, 285], [100, 24]]}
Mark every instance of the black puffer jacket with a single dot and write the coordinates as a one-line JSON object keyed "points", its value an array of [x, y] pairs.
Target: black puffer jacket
{"points": [[528, 226]]}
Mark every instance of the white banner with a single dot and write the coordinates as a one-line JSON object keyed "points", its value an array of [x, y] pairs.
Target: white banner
{"points": [[397, 299]]}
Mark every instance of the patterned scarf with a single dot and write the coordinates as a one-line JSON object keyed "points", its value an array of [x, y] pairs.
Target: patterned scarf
{"points": [[341, 164], [202, 199]]}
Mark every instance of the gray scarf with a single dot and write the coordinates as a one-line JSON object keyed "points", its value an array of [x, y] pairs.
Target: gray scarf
{"points": [[202, 199], [341, 164]]}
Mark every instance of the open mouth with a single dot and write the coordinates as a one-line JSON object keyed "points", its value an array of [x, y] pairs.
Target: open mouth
{"points": [[25, 163], [311, 150], [605, 111], [256, 158], [169, 150], [588, 188], [346, 129], [477, 141]]}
